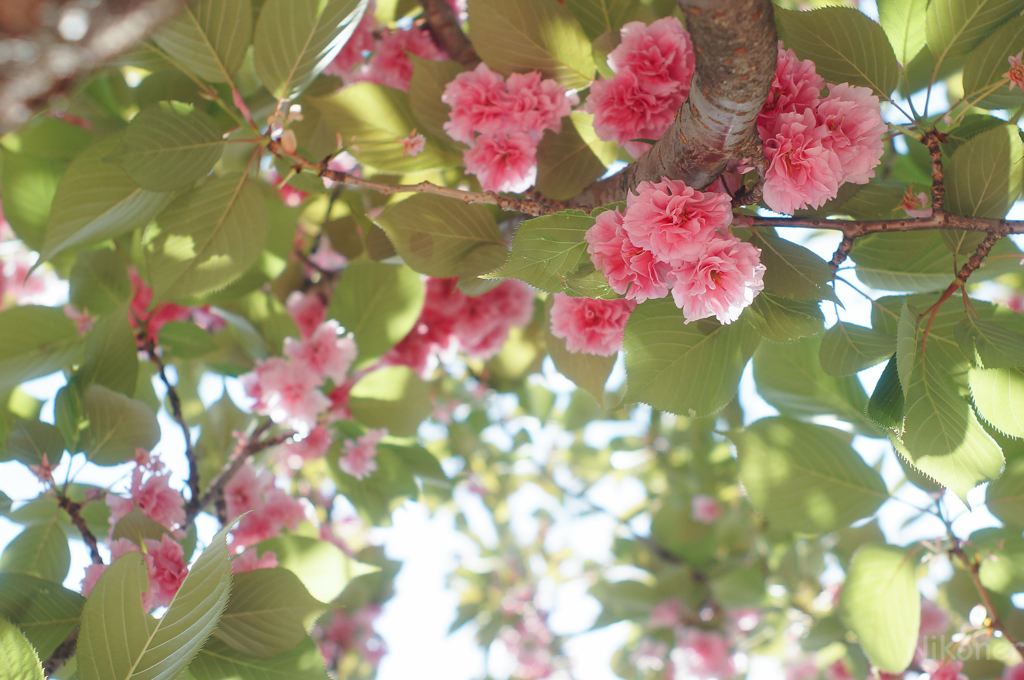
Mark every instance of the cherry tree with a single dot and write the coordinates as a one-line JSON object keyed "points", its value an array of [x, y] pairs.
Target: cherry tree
{"points": [[392, 231]]}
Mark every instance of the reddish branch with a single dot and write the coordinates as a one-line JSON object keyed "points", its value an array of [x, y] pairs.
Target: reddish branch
{"points": [[736, 46], [444, 28], [74, 511], [973, 566]]}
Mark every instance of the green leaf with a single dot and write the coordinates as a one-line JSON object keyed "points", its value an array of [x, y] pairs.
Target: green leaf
{"points": [[906, 345], [321, 566], [588, 371], [44, 611], [983, 179], [989, 344], [780, 319], [806, 477], [117, 426], [35, 341], [31, 440], [998, 395], [18, 660], [954, 27], [684, 368], [393, 397], [885, 407], [378, 118], [29, 184], [791, 270], [547, 249], [844, 44], [137, 527], [379, 304], [96, 200], [914, 261], [847, 348], [429, 79], [206, 239], [395, 478], [480, 262], [217, 661], [607, 152], [434, 234], [881, 604], [119, 641], [566, 164], [268, 613], [209, 38], [99, 282], [1004, 497], [602, 16], [40, 550], [295, 40], [942, 434], [903, 22], [167, 147], [526, 35], [185, 340], [790, 378], [988, 62], [111, 355]]}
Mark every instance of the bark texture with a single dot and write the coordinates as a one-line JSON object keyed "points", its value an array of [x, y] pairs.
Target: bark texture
{"points": [[447, 33], [46, 45], [736, 47]]}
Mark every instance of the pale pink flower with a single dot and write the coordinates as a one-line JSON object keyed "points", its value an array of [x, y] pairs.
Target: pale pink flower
{"points": [[390, 64], [667, 614], [801, 170], [249, 561], [705, 654], [482, 323], [413, 144], [949, 671], [660, 55], [158, 500], [270, 509], [838, 671], [286, 390], [359, 44], [705, 509], [165, 561], [916, 206], [353, 632], [323, 352], [934, 621], [244, 491], [313, 445], [623, 111], [358, 460], [1013, 672], [119, 507], [479, 101], [83, 319], [674, 221], [118, 548], [503, 162], [723, 280], [630, 270], [536, 105], [1016, 72], [326, 258], [590, 326], [796, 87], [307, 311], [854, 120]]}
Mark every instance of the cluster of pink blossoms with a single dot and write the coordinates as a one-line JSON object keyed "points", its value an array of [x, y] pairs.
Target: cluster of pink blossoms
{"points": [[814, 144], [358, 460], [154, 496], [588, 325], [503, 122], [673, 237], [377, 54], [478, 325], [653, 66], [165, 564], [351, 633], [270, 509]]}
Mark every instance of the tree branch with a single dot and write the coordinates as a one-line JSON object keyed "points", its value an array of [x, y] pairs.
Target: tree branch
{"points": [[973, 568], [60, 656], [736, 46], [47, 60], [447, 33], [74, 511], [856, 228]]}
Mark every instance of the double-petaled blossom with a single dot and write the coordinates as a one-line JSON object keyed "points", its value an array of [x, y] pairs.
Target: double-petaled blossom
{"points": [[250, 561], [631, 270], [796, 86], [307, 311], [590, 326], [269, 509], [503, 161], [324, 353], [855, 126], [165, 566], [802, 171], [705, 654], [352, 633], [358, 460], [390, 64], [313, 445], [720, 282], [151, 493], [674, 221]]}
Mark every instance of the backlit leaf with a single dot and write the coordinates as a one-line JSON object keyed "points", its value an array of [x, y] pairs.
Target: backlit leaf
{"points": [[35, 341], [18, 660], [998, 394], [209, 37], [40, 550], [847, 348], [987, 64], [44, 611], [117, 426], [547, 249], [983, 179]]}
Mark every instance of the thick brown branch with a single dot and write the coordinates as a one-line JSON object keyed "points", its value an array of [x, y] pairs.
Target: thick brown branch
{"points": [[931, 140], [45, 62], [444, 28], [74, 511], [60, 656], [736, 47]]}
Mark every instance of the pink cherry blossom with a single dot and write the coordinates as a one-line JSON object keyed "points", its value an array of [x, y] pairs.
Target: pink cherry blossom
{"points": [[705, 509], [705, 654], [723, 280], [1014, 672], [286, 391], [479, 101], [934, 621], [323, 353], [916, 206], [165, 561], [118, 548], [667, 614], [119, 507], [358, 460], [353, 632], [674, 221], [270, 509], [535, 105], [838, 671], [630, 270], [313, 445], [325, 258], [1016, 72], [390, 64], [503, 161], [949, 671], [660, 55], [360, 43], [307, 311], [623, 111], [482, 322], [244, 491], [413, 145], [590, 326], [796, 87], [248, 561], [802, 171], [158, 501], [855, 124]]}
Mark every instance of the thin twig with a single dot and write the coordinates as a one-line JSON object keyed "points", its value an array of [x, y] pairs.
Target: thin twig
{"points": [[74, 511], [858, 228], [973, 567]]}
